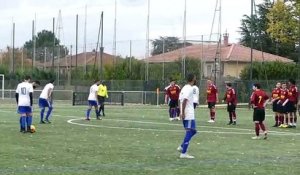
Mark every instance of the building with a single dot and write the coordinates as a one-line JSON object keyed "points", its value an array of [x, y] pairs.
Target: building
{"points": [[234, 57]]}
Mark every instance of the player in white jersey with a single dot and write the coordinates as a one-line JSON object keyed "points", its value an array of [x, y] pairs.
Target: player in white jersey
{"points": [[24, 100], [195, 95], [92, 101], [187, 114], [45, 100]]}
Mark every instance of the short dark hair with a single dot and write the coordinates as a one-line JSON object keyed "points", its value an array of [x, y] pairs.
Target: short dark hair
{"points": [[228, 84], [257, 85], [292, 81], [37, 82], [190, 77], [95, 81], [51, 81], [27, 77]]}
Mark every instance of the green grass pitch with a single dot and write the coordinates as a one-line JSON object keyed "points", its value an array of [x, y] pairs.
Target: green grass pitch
{"points": [[140, 140]]}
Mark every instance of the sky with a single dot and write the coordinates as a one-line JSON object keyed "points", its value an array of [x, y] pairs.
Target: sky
{"points": [[166, 19]]}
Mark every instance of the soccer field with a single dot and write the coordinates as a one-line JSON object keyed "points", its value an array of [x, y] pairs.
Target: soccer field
{"points": [[141, 140]]}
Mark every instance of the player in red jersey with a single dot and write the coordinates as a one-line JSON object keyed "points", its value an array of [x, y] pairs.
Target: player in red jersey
{"points": [[258, 101], [274, 101], [172, 92], [283, 100], [292, 104], [212, 99], [231, 100]]}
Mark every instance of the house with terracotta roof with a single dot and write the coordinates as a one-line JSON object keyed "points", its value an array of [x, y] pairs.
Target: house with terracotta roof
{"points": [[233, 57]]}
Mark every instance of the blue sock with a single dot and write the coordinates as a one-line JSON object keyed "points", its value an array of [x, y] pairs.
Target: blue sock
{"points": [[173, 111], [48, 113], [88, 113], [42, 114], [97, 112], [185, 144], [23, 122], [20, 122], [29, 121]]}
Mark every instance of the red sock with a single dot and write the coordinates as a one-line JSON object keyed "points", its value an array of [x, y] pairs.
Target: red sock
{"points": [[276, 119], [257, 129], [234, 116], [262, 126], [212, 115]]}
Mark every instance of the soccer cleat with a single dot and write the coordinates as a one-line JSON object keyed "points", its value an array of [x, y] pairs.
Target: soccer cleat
{"points": [[290, 126], [281, 125], [284, 126], [234, 123], [211, 121], [177, 118], [99, 118], [255, 138], [266, 135], [42, 122], [229, 123], [276, 125], [47, 121], [103, 115], [87, 119], [186, 156], [171, 119], [179, 149]]}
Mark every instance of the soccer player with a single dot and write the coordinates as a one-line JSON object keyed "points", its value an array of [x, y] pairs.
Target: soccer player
{"points": [[195, 95], [274, 101], [283, 100], [173, 93], [212, 99], [231, 100], [102, 94], [92, 101], [259, 100], [187, 114], [45, 100], [24, 95], [292, 104]]}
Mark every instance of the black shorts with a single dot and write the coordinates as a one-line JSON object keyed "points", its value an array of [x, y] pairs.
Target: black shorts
{"points": [[259, 115], [195, 105], [291, 106], [275, 106], [231, 108], [101, 99], [211, 105], [282, 109], [173, 103]]}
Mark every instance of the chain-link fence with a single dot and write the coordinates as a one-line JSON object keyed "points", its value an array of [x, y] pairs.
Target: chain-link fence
{"points": [[144, 92]]}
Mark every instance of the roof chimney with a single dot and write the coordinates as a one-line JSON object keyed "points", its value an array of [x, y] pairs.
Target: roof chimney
{"points": [[226, 39]]}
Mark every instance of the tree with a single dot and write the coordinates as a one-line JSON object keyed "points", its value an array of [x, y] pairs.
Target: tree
{"points": [[166, 44], [262, 40], [282, 23], [45, 39]]}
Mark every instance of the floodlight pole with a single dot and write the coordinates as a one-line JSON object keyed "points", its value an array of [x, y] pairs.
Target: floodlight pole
{"points": [[251, 42]]}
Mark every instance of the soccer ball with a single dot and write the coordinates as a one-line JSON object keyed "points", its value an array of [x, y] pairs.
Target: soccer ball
{"points": [[32, 128]]}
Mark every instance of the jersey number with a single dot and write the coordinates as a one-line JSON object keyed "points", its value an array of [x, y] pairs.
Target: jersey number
{"points": [[194, 91], [259, 99], [23, 91]]}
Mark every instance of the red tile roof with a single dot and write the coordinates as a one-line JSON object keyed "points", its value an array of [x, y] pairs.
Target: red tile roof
{"points": [[232, 52]]}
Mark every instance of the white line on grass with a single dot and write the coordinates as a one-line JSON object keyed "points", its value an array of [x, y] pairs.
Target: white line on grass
{"points": [[71, 121]]}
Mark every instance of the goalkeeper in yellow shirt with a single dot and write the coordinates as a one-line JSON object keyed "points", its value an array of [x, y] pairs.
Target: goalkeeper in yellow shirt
{"points": [[102, 94]]}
